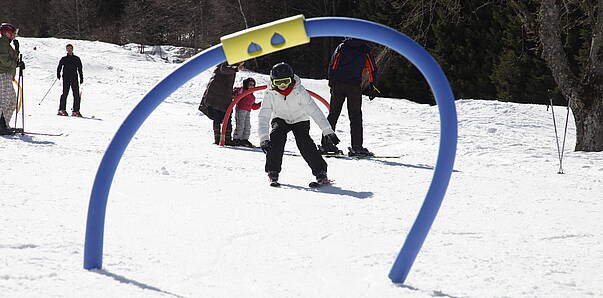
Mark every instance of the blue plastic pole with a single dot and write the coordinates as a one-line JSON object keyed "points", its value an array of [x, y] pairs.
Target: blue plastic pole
{"points": [[317, 27]]}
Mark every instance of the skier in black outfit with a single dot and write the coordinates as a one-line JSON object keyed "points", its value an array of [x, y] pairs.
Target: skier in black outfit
{"points": [[286, 107], [348, 63], [71, 66]]}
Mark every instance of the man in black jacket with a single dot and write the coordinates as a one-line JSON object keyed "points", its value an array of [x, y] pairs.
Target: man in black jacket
{"points": [[71, 66], [348, 63]]}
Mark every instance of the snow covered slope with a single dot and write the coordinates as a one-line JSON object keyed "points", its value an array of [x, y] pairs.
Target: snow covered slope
{"points": [[187, 218]]}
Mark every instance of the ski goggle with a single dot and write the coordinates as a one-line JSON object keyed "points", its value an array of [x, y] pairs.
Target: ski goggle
{"points": [[281, 82]]}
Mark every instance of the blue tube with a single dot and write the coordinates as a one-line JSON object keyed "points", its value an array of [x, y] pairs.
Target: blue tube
{"points": [[318, 27]]}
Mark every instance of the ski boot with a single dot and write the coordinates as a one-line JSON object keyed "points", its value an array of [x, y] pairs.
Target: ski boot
{"points": [[359, 152], [273, 177], [62, 113], [321, 179], [76, 114]]}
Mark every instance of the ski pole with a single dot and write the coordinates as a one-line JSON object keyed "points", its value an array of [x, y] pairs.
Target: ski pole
{"points": [[55, 80], [19, 90], [22, 96]]}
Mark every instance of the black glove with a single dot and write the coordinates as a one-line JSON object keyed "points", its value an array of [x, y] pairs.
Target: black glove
{"points": [[21, 65], [16, 43], [81, 80], [58, 76], [265, 145], [373, 91], [332, 137]]}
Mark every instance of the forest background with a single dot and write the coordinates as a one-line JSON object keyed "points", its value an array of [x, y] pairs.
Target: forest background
{"points": [[483, 46]]}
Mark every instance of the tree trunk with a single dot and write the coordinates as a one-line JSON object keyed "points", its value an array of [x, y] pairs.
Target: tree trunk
{"points": [[586, 97], [589, 127]]}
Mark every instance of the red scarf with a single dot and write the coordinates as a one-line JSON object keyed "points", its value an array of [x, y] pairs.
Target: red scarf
{"points": [[286, 91]]}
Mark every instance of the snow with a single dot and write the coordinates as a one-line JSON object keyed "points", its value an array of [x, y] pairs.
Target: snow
{"points": [[187, 218]]}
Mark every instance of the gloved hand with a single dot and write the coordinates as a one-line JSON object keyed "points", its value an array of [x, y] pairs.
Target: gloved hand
{"points": [[58, 76], [16, 43], [373, 91], [265, 145], [332, 137], [81, 80], [21, 65]]}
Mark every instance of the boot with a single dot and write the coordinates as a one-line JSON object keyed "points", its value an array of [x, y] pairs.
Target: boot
{"points": [[4, 129], [359, 151], [322, 179], [228, 141], [217, 133], [273, 176]]}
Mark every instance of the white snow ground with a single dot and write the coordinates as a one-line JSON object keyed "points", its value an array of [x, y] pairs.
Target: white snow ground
{"points": [[186, 218]]}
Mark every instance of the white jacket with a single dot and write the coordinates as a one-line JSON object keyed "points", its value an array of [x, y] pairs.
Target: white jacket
{"points": [[296, 107]]}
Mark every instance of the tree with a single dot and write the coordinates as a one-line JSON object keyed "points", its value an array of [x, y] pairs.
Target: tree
{"points": [[578, 74]]}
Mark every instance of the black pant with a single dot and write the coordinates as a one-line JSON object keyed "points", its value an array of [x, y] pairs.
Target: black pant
{"points": [[217, 117], [339, 92], [305, 144], [75, 87]]}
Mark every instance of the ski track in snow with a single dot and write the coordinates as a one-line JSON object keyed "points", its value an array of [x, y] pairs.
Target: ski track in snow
{"points": [[188, 219]]}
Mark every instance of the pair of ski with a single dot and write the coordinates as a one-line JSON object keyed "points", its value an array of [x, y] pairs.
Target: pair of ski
{"points": [[313, 184], [340, 154], [20, 131]]}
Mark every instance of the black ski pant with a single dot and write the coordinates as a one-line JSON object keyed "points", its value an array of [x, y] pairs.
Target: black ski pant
{"points": [[353, 93], [217, 117], [75, 87], [305, 144]]}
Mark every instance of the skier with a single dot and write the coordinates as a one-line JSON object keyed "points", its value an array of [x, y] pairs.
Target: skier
{"points": [[288, 104], [71, 66], [8, 64], [218, 96], [242, 114], [346, 68]]}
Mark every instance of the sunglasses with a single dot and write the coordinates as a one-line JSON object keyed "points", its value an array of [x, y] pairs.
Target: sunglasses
{"points": [[281, 82]]}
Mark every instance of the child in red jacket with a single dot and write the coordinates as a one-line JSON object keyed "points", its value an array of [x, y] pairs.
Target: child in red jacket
{"points": [[243, 112]]}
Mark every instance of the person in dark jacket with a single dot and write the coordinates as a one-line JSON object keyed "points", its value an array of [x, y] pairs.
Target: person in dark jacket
{"points": [[218, 96], [71, 66], [350, 61]]}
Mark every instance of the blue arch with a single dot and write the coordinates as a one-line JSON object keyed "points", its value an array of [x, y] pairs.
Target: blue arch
{"points": [[317, 27]]}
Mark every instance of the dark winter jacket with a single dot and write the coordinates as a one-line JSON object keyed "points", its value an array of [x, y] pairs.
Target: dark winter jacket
{"points": [[218, 94], [71, 65], [349, 62], [8, 57]]}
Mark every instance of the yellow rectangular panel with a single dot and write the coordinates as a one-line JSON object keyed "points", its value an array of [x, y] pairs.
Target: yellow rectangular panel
{"points": [[265, 39]]}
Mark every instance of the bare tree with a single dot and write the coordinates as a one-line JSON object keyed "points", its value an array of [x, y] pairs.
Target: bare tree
{"points": [[547, 22]]}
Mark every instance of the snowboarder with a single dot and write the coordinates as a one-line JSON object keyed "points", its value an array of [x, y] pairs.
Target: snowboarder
{"points": [[71, 66], [243, 113], [218, 96], [8, 64], [286, 107], [346, 68]]}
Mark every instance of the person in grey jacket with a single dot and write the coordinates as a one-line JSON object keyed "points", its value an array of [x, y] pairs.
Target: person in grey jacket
{"points": [[286, 107], [8, 65]]}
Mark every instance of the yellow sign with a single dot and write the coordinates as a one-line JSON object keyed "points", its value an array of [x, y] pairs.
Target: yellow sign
{"points": [[265, 39]]}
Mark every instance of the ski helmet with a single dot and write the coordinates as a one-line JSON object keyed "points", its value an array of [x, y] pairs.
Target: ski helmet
{"points": [[281, 74], [8, 30]]}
